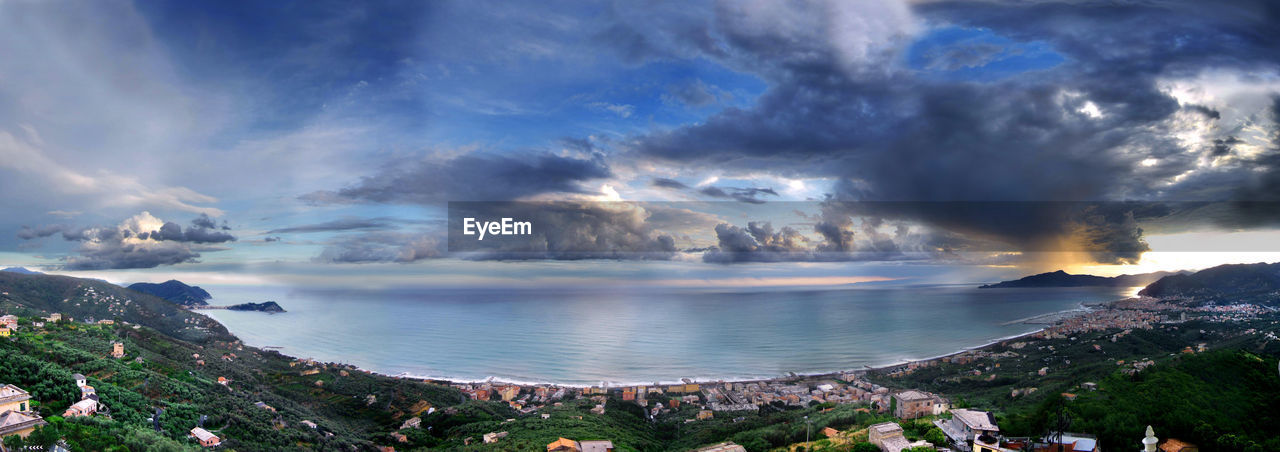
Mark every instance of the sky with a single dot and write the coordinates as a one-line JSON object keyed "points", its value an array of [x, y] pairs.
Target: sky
{"points": [[737, 143]]}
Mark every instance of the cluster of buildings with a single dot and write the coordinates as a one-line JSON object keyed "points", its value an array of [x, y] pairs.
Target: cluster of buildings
{"points": [[1104, 319]]}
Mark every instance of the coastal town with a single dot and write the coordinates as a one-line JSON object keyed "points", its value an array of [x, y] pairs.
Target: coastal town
{"points": [[876, 392]]}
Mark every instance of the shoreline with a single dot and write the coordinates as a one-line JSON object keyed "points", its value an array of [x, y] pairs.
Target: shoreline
{"points": [[834, 374]]}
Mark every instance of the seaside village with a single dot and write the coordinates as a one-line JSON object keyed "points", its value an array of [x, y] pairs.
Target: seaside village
{"points": [[965, 430]]}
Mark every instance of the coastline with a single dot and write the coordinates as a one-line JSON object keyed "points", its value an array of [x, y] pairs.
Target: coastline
{"points": [[832, 374]]}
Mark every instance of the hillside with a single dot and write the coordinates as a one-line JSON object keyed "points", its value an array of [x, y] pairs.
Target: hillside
{"points": [[84, 299], [175, 291], [352, 410], [1063, 279], [21, 270], [1221, 281]]}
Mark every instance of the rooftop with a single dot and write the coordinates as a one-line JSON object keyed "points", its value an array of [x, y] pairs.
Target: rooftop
{"points": [[596, 446], [976, 420], [12, 421], [202, 434], [886, 427], [11, 393], [910, 395]]}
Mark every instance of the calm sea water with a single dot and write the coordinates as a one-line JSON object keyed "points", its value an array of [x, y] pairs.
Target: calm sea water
{"points": [[579, 337]]}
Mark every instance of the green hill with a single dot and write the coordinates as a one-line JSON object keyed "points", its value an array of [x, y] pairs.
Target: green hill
{"points": [[84, 299]]}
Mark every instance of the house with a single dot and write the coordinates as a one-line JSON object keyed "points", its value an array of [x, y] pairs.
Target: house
{"points": [[205, 438], [493, 437], [722, 447], [1175, 445], [971, 430], [106, 322], [223, 381], [596, 446], [13, 398], [16, 423], [308, 423], [564, 445], [5, 331], [117, 349], [264, 406], [830, 432], [55, 317], [705, 414], [888, 437], [86, 407], [399, 437], [914, 404], [413, 422]]}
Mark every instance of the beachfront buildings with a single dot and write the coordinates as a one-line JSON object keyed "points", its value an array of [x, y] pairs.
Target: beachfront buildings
{"points": [[971, 430], [912, 404]]}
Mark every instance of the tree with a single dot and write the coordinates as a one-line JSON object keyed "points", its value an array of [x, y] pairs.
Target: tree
{"points": [[935, 436], [865, 447]]}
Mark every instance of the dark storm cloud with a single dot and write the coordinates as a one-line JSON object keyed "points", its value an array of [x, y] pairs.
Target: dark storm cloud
{"points": [[669, 183], [383, 246], [203, 221], [130, 245], [1258, 201], [343, 224], [758, 242], [1206, 111], [888, 135], [470, 178], [173, 232], [570, 230], [750, 195], [28, 233], [1222, 146]]}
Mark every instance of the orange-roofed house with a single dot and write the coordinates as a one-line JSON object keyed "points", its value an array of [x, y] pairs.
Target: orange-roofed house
{"points": [[564, 445], [830, 432], [205, 438]]}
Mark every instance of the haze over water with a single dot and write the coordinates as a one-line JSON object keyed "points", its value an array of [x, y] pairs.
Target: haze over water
{"points": [[589, 337]]}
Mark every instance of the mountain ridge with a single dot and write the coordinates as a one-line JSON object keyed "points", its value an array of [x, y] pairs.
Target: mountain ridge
{"points": [[1061, 278]]}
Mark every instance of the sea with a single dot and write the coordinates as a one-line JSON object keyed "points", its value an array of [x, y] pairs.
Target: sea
{"points": [[617, 337]]}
